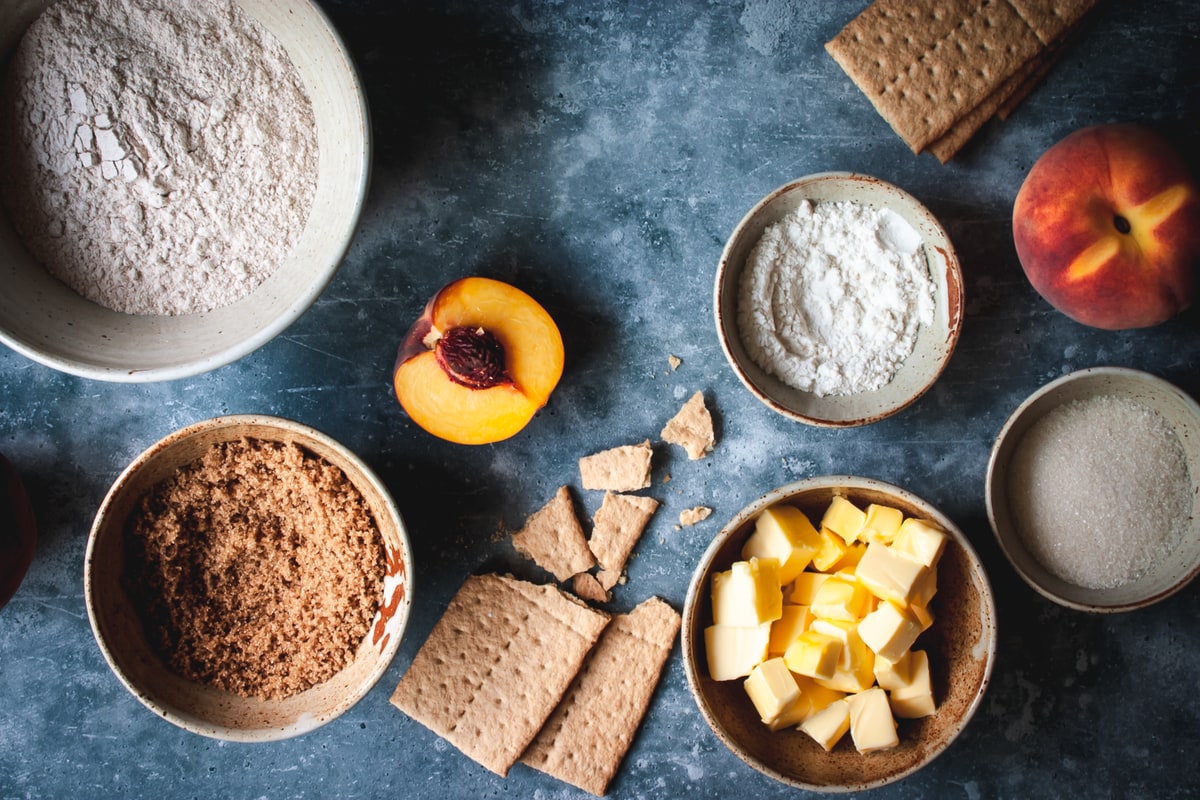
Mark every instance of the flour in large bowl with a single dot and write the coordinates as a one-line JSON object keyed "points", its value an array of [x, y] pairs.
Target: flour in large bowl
{"points": [[832, 297]]}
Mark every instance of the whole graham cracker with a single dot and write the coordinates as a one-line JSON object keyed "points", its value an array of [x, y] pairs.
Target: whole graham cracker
{"points": [[588, 735], [496, 665], [554, 539], [616, 527]]}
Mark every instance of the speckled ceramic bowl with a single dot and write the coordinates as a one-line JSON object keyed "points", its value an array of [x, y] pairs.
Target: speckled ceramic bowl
{"points": [[1173, 570], [201, 708], [46, 321], [961, 645], [935, 342]]}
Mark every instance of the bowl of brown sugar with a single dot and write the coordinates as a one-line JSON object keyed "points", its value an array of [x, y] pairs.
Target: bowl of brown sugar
{"points": [[168, 210], [1092, 489], [248, 578]]}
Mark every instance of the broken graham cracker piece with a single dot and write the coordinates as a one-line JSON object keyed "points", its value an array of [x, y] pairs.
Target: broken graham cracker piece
{"points": [[586, 738], [690, 516], [554, 539], [588, 587], [925, 65], [619, 469], [691, 428], [616, 527], [496, 665]]}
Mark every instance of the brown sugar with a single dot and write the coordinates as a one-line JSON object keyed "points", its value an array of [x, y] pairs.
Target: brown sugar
{"points": [[257, 568]]}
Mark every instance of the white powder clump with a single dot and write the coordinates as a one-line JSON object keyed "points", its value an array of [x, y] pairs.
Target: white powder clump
{"points": [[160, 156], [1100, 491], [833, 296]]}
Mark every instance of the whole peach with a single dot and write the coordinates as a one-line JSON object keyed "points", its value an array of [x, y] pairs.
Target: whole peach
{"points": [[1107, 227]]}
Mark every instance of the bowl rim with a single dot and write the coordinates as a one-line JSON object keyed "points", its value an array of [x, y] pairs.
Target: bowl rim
{"points": [[307, 722], [28, 346], [1008, 541], [955, 303], [988, 616]]}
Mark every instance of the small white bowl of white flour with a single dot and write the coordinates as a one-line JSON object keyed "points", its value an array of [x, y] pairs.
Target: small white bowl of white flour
{"points": [[169, 209], [838, 299]]}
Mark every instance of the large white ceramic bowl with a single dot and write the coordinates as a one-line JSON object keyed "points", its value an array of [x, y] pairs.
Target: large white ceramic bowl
{"points": [[935, 342], [1173, 570], [199, 707], [46, 321]]}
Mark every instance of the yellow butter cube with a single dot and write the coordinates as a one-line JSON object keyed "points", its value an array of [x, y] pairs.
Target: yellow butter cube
{"points": [[925, 588], [923, 541], [842, 599], [856, 662], [844, 518], [813, 698], [771, 688], [922, 615], [893, 674], [747, 594], [787, 628], [890, 574], [832, 549], [889, 630], [829, 725], [813, 654], [784, 533], [733, 652], [804, 587], [881, 523], [872, 726], [848, 563], [914, 698]]}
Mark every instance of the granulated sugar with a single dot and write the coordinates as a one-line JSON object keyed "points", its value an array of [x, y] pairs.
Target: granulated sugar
{"points": [[1100, 490], [832, 297], [160, 157]]}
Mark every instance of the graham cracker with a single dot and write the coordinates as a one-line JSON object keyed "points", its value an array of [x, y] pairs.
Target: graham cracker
{"points": [[496, 665], [690, 516], [616, 527], [587, 587], [554, 539], [691, 428], [925, 65], [608, 578], [619, 469], [586, 738]]}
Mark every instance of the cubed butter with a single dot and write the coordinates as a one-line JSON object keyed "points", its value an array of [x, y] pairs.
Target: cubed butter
{"points": [[733, 651], [922, 615], [813, 654], [804, 587], [849, 562], [813, 698], [881, 523], [842, 599], [921, 540], [747, 594], [829, 725], [893, 674], [914, 698], [771, 688], [788, 627], [889, 630], [832, 549], [856, 662], [890, 574], [925, 587], [844, 518], [784, 533], [872, 726]]}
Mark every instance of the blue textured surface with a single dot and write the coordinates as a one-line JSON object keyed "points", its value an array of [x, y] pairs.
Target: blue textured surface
{"points": [[597, 154]]}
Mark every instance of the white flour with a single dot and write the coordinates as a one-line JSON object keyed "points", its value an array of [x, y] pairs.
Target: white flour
{"points": [[832, 297], [160, 156]]}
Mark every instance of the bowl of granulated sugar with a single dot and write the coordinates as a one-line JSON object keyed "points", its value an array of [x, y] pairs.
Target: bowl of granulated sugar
{"points": [[838, 299], [170, 209], [1092, 489]]}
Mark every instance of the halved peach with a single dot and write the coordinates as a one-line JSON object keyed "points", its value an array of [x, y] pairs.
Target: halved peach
{"points": [[480, 361]]}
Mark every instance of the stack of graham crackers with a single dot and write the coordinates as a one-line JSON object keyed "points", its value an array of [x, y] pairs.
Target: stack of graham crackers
{"points": [[937, 70]]}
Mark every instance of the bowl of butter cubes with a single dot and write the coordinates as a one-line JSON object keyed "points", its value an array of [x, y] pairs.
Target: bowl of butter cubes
{"points": [[839, 634]]}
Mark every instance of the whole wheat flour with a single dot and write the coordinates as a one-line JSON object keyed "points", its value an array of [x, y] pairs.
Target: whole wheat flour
{"points": [[160, 157], [833, 296]]}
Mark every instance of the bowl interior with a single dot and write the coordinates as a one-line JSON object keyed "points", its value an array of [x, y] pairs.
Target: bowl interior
{"points": [[961, 646], [45, 320], [1180, 411], [934, 344], [201, 708]]}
